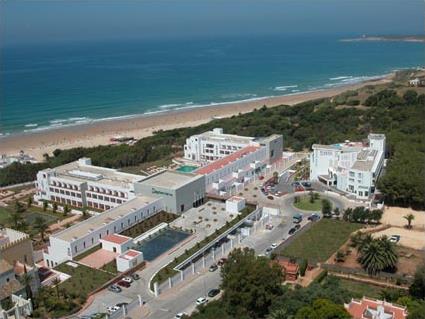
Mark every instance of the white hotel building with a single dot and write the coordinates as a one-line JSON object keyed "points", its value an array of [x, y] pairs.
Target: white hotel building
{"points": [[70, 242], [213, 145], [80, 184], [351, 167]]}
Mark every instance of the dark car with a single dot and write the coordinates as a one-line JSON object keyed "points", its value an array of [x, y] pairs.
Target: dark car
{"points": [[114, 288], [122, 304], [270, 197], [306, 184], [222, 261], [213, 292], [135, 276], [313, 217], [297, 226], [292, 231], [123, 283], [213, 268]]}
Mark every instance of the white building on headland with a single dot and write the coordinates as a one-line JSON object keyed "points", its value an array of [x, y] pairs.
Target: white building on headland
{"points": [[351, 167], [70, 242], [81, 184], [213, 145]]}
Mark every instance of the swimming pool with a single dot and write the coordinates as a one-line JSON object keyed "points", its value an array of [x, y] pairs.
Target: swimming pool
{"points": [[160, 243], [186, 168]]}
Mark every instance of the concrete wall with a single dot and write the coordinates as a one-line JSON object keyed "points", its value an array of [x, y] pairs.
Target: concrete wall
{"points": [[19, 250]]}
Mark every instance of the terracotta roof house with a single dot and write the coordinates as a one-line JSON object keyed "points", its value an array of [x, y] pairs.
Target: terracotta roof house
{"points": [[289, 269], [375, 309]]}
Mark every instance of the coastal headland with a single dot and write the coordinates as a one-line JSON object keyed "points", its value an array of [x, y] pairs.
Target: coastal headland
{"points": [[139, 126]]}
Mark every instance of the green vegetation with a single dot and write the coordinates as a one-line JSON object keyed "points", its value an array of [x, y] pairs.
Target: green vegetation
{"points": [[359, 289], [398, 114], [111, 267], [169, 271], [304, 203], [65, 298], [149, 223], [320, 241], [362, 215], [375, 254]]}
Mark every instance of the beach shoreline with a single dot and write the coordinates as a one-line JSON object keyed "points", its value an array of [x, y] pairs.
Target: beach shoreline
{"points": [[138, 126]]}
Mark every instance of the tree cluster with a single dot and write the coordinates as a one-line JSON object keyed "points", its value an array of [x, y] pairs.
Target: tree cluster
{"points": [[362, 215]]}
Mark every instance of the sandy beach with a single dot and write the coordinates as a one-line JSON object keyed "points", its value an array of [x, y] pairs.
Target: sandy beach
{"points": [[99, 133]]}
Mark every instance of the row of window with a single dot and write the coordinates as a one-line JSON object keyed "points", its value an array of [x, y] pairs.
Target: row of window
{"points": [[104, 198], [65, 185], [107, 191], [66, 201], [64, 192], [98, 206]]}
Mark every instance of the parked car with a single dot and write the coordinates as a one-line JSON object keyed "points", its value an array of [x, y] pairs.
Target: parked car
{"points": [[213, 292], [270, 197], [292, 231], [268, 250], [112, 309], [269, 226], [297, 226], [180, 315], [261, 177], [273, 246], [314, 217], [222, 261], [213, 268], [201, 301], [394, 239], [123, 283], [121, 304], [127, 279], [135, 276], [114, 288]]}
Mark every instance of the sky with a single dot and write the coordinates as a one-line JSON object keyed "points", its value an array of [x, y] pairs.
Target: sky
{"points": [[32, 21]]}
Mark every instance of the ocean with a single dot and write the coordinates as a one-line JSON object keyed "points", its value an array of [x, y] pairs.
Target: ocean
{"points": [[55, 85]]}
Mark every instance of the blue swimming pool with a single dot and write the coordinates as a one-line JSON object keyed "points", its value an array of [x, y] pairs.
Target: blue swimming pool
{"points": [[186, 168], [160, 243]]}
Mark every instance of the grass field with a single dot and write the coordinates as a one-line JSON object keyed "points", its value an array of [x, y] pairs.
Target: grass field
{"points": [[320, 241], [305, 204], [84, 279], [360, 289]]}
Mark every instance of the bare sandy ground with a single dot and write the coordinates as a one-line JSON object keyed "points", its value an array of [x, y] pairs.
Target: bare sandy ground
{"points": [[99, 133], [394, 216], [408, 237]]}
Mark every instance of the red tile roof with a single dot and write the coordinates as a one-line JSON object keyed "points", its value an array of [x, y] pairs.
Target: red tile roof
{"points": [[290, 268], [226, 160], [116, 239], [357, 308], [130, 254]]}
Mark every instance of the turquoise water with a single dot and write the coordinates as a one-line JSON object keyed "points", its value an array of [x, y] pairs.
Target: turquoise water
{"points": [[161, 243], [45, 86], [186, 168]]}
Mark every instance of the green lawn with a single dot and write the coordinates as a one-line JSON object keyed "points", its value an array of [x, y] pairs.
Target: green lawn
{"points": [[360, 289], [4, 216], [305, 204], [320, 241], [84, 279]]}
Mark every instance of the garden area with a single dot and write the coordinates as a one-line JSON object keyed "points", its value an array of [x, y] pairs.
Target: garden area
{"points": [[319, 242], [149, 223], [308, 203]]}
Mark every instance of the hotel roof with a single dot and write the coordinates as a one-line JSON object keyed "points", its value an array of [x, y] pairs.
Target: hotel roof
{"points": [[116, 239], [80, 171], [130, 254], [366, 160], [227, 137], [226, 160], [170, 179], [78, 230]]}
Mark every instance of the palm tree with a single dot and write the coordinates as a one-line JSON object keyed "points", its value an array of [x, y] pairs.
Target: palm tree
{"points": [[45, 205], [55, 284], [41, 226], [377, 255], [26, 280], [16, 219], [279, 314], [29, 202], [389, 252], [409, 217], [364, 241], [55, 207]]}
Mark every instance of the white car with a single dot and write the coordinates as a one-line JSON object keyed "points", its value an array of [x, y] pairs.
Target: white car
{"points": [[394, 239], [127, 279], [201, 301], [180, 315], [112, 309], [273, 246]]}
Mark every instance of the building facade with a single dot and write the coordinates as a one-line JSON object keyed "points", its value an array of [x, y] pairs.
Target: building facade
{"points": [[213, 145], [70, 242], [16, 246], [80, 184], [178, 191], [351, 167]]}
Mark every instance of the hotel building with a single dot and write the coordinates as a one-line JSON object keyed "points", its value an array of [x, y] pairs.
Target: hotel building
{"points": [[351, 167], [72, 241], [213, 145], [80, 184]]}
